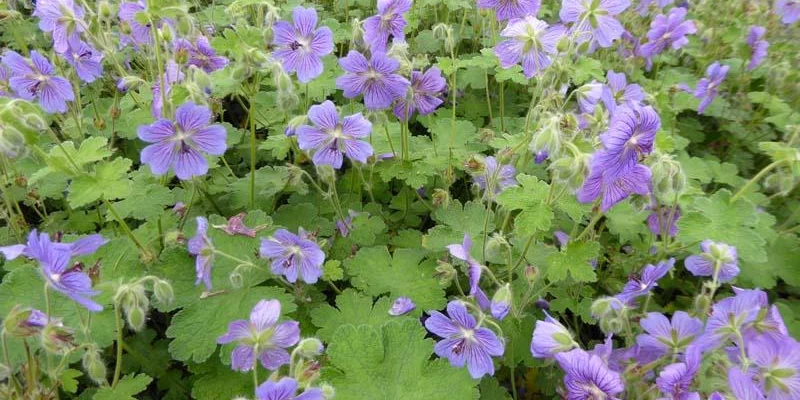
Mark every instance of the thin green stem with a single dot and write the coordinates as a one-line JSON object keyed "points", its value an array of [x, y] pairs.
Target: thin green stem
{"points": [[589, 227], [755, 179], [252, 119], [125, 228], [118, 361]]}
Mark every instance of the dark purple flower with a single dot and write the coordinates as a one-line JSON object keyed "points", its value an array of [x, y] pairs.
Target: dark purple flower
{"points": [[708, 88], [617, 92], [788, 10], [645, 5], [426, 89], [140, 34], [596, 18], [551, 337], [300, 46], [261, 337], [676, 379], [172, 74], [376, 79], [776, 364], [332, 138], [201, 247], [642, 284], [203, 56], [631, 133], [540, 156], [36, 79], [530, 42], [474, 270], [62, 18], [293, 255], [667, 31], [758, 46], [613, 188], [664, 221], [178, 144], [495, 178], [665, 337], [718, 260], [87, 61], [285, 389], [588, 377], [742, 385], [235, 226], [389, 22], [512, 9], [401, 306], [464, 341]]}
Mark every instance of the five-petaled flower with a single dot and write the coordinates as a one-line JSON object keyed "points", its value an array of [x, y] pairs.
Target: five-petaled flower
{"points": [[261, 337], [332, 137], [388, 23], [530, 42], [376, 79], [293, 255], [36, 79], [300, 45]]}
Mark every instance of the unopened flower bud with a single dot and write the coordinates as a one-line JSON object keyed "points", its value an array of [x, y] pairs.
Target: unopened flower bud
{"points": [[611, 325], [445, 272], [294, 123], [531, 274], [99, 123], [441, 198], [163, 292], [702, 303], [104, 10], [287, 100], [12, 142], [669, 179], [57, 338], [328, 392], [24, 322], [475, 165], [166, 33], [94, 366], [501, 302], [136, 318], [548, 137], [310, 347]]}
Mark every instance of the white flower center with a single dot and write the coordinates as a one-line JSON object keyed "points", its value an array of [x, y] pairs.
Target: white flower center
{"points": [[55, 277]]}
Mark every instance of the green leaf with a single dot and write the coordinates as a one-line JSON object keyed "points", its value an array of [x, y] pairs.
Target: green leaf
{"points": [[491, 390], [91, 150], [376, 272], [109, 181], [332, 270], [530, 197], [69, 383], [783, 261], [147, 200], [392, 363], [352, 308], [574, 259], [467, 219], [127, 388], [215, 380], [627, 222], [195, 329]]}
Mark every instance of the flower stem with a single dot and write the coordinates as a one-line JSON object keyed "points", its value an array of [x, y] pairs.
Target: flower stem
{"points": [[126, 229], [118, 361], [589, 227], [755, 179], [252, 119]]}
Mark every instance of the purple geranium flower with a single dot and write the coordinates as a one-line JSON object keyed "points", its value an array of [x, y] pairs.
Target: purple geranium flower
{"points": [[729, 316], [495, 178], [551, 337], [401, 306], [300, 46], [631, 133], [62, 18], [293, 255], [389, 22], [530, 42], [665, 337], [664, 221], [641, 285], [667, 31], [178, 144], [86, 60], [201, 247], [708, 88], [236, 226], [285, 389], [758, 46], [776, 365], [617, 92], [788, 10], [261, 337], [464, 342], [718, 260], [676, 379], [644, 5], [202, 55], [54, 260], [36, 79], [172, 74], [589, 95], [140, 34], [332, 137], [613, 188], [587, 376], [511, 9], [474, 270], [375, 79], [595, 17], [426, 89], [742, 385]]}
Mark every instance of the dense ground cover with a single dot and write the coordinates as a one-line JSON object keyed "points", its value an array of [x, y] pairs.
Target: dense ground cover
{"points": [[585, 199]]}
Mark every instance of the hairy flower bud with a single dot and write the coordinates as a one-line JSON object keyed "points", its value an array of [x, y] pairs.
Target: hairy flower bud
{"points": [[56, 338], [531, 274], [310, 347], [445, 272], [94, 366], [669, 179], [501, 302], [441, 198], [136, 318], [327, 391], [287, 101], [163, 292], [548, 137]]}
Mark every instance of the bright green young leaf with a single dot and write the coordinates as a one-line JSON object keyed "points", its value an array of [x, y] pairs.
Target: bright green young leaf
{"points": [[108, 181], [352, 308], [574, 259], [127, 388]]}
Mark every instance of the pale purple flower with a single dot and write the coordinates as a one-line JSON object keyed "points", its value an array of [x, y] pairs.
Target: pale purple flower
{"points": [[201, 247], [293, 255], [344, 225], [35, 79], [729, 316], [5, 87], [261, 337], [474, 270], [140, 34], [86, 60], [617, 92], [202, 55], [667, 31], [776, 364], [589, 95], [530, 42], [375, 78], [464, 342], [708, 88], [180, 144], [495, 178], [426, 91], [758, 46], [631, 133], [300, 46], [401, 306], [613, 187], [551, 337], [172, 74], [788, 10], [332, 137], [664, 221], [665, 337], [511, 9], [742, 385], [643, 284], [588, 377], [675, 380], [285, 389], [501, 302], [388, 23], [645, 5], [595, 17], [718, 260], [62, 18], [236, 226]]}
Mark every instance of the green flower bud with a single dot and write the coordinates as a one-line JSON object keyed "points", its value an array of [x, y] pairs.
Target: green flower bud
{"points": [[56, 338], [136, 318], [310, 347], [326, 173], [445, 272], [287, 101], [327, 391], [104, 10], [611, 325], [12, 142], [94, 366], [441, 198], [166, 33], [548, 137], [669, 179], [531, 274], [702, 303], [236, 279], [163, 292]]}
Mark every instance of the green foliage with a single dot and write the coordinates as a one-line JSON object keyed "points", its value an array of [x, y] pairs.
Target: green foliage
{"points": [[127, 387], [352, 308]]}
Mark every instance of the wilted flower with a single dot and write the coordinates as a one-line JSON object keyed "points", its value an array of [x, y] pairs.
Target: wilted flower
{"points": [[293, 255], [595, 17], [375, 78], [676, 379], [86, 60], [62, 18], [511, 9], [36, 79], [474, 270], [665, 337], [530, 42], [332, 137], [300, 46], [401, 306], [708, 88], [648, 279], [201, 247], [758, 46], [426, 89], [551, 337], [285, 389], [202, 55], [667, 30], [261, 337], [788, 10], [464, 342], [178, 144], [664, 221], [587, 376], [718, 260], [235, 226], [613, 188], [388, 23], [617, 92]]}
